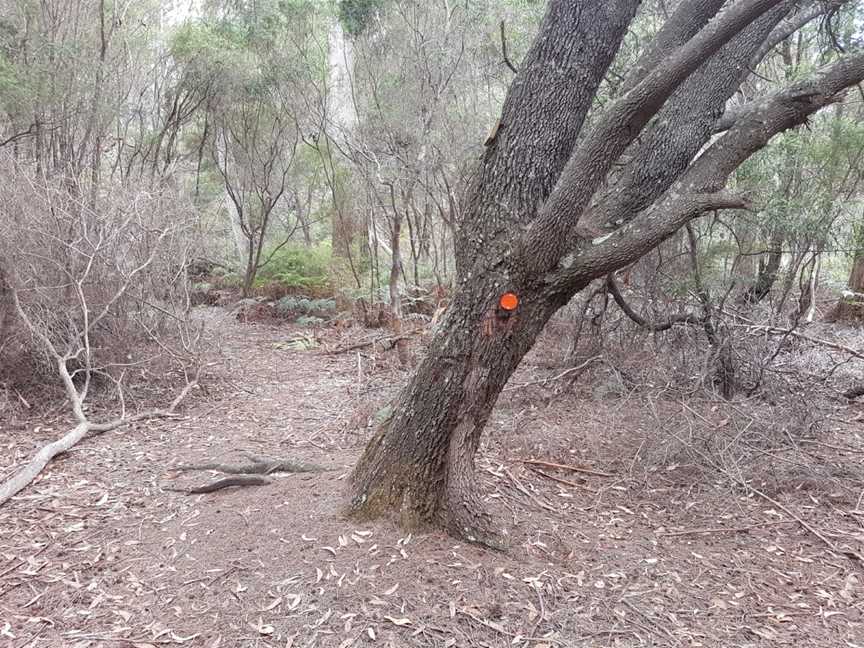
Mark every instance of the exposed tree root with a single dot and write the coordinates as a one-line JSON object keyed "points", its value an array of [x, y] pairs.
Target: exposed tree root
{"points": [[240, 480], [258, 466]]}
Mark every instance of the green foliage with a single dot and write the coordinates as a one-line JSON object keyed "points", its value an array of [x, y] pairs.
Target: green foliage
{"points": [[292, 304], [212, 52], [297, 266], [10, 84], [355, 15]]}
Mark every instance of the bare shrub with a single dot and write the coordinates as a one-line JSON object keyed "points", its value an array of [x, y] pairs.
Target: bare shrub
{"points": [[104, 290], [103, 295], [786, 429]]}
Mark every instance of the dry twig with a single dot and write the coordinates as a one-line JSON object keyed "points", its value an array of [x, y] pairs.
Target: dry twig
{"points": [[579, 469]]}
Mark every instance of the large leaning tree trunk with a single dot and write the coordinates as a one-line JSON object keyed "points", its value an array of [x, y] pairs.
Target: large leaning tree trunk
{"points": [[545, 216]]}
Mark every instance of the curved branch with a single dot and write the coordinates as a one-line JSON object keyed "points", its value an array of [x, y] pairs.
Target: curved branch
{"points": [[684, 23], [792, 24], [504, 51], [656, 327]]}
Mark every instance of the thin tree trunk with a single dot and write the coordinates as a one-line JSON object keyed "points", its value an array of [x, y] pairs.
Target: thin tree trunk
{"points": [[249, 276], [393, 285], [768, 271], [811, 287]]}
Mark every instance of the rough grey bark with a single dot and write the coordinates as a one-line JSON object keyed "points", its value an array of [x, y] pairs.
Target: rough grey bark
{"points": [[678, 132], [700, 187], [541, 118], [553, 232], [685, 22], [531, 188]]}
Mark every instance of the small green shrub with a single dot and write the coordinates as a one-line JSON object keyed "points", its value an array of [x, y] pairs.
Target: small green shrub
{"points": [[293, 305], [297, 266]]}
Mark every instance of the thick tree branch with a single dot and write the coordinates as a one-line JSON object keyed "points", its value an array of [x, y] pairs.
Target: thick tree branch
{"points": [[542, 116], [684, 23], [677, 134], [707, 175], [615, 291], [553, 232], [786, 109]]}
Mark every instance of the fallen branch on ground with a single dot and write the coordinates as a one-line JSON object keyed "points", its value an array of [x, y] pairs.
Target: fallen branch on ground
{"points": [[776, 330], [28, 473], [76, 350], [566, 372], [390, 339], [561, 481], [738, 529], [850, 554]]}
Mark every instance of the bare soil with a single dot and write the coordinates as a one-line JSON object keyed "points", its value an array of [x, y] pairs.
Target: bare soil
{"points": [[665, 548]]}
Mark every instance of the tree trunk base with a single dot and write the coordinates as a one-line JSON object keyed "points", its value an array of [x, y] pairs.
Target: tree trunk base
{"points": [[463, 513], [383, 483], [847, 311]]}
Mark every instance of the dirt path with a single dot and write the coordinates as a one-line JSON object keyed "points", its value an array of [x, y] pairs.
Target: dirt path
{"points": [[97, 554]]}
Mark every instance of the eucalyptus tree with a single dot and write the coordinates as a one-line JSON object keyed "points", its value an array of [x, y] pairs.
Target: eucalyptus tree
{"points": [[238, 55], [560, 198]]}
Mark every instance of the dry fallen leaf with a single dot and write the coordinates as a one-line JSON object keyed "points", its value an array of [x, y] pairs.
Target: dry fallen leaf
{"points": [[262, 628], [276, 602]]}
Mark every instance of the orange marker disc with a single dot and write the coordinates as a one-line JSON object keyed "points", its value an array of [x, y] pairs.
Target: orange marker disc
{"points": [[509, 301]]}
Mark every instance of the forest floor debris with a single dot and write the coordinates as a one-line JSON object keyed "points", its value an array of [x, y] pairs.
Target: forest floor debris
{"points": [[648, 546]]}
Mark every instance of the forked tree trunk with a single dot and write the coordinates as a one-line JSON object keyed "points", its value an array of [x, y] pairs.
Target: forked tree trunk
{"points": [[421, 462], [534, 186]]}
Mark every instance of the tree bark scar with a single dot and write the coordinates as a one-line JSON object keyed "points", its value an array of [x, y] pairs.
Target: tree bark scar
{"points": [[493, 133]]}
